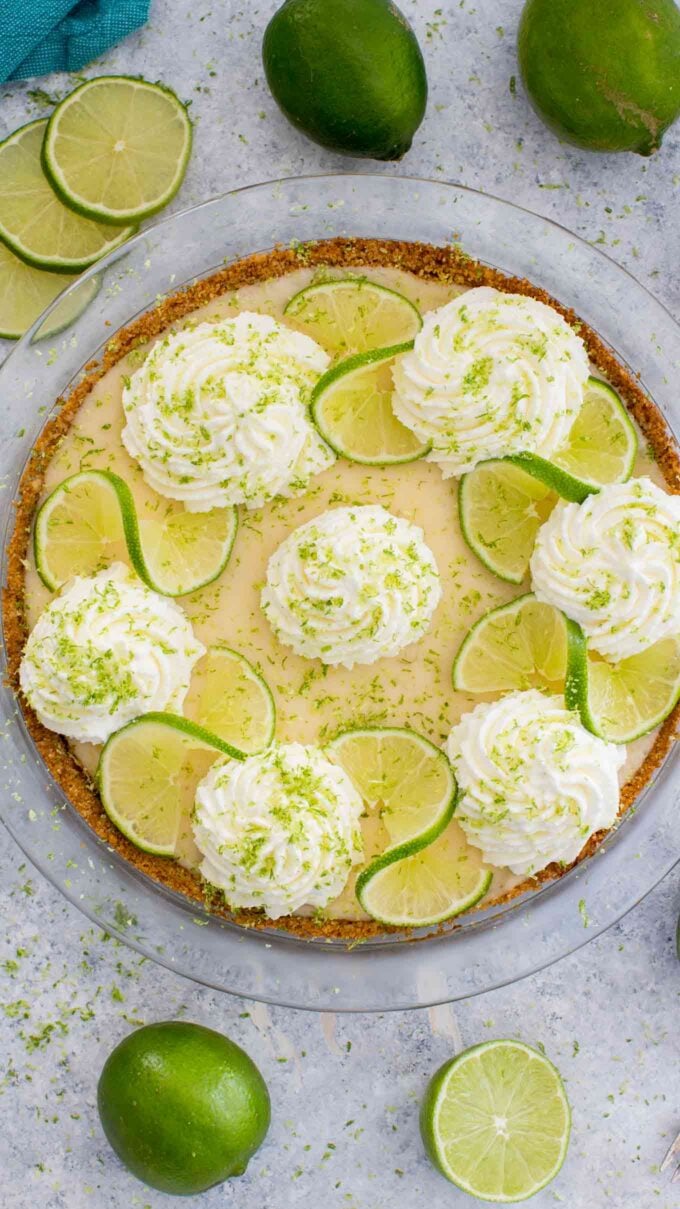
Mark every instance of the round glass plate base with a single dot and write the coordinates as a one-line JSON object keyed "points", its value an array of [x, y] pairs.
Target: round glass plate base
{"points": [[486, 949]]}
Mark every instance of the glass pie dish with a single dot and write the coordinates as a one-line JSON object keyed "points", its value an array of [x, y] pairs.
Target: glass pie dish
{"points": [[489, 947]]}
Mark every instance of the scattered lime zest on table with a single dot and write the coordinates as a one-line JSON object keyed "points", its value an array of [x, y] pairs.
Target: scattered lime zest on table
{"points": [[147, 777], [90, 519], [495, 1121], [116, 149], [349, 315], [34, 223], [230, 698], [622, 701], [352, 409], [520, 645]]}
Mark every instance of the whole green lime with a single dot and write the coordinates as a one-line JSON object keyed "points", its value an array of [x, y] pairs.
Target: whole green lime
{"points": [[182, 1106], [348, 73], [604, 74]]}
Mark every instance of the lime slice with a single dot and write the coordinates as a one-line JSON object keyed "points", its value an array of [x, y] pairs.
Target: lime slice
{"points": [[501, 509], [622, 701], [68, 309], [428, 887], [602, 442], [353, 315], [116, 149], [229, 697], [90, 520], [24, 294], [352, 409], [147, 776], [520, 645], [34, 223], [495, 1121]]}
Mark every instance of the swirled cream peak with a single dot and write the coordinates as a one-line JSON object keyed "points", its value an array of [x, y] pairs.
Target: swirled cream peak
{"points": [[104, 651], [612, 564], [279, 830], [351, 586], [535, 784], [490, 374], [217, 414]]}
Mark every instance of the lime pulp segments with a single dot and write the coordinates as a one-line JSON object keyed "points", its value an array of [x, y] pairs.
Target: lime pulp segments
{"points": [[229, 697], [351, 315]]}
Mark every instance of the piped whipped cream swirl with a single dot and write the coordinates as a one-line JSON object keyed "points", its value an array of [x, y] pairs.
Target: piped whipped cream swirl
{"points": [[490, 374], [217, 414], [279, 830], [612, 564], [535, 784], [354, 585], [104, 651]]}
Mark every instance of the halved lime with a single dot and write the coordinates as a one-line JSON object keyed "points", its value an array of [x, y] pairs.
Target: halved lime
{"points": [[622, 701], [501, 509], [496, 1121], [520, 645], [34, 223], [230, 698], [353, 315], [90, 520], [116, 149], [352, 409], [428, 887], [24, 293], [602, 442], [147, 777]]}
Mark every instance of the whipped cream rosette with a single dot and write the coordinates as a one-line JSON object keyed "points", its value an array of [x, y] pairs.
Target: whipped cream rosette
{"points": [[352, 586], [104, 651], [279, 830], [612, 564], [534, 783], [490, 374], [217, 414]]}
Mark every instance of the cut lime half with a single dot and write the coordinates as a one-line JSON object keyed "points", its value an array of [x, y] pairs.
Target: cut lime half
{"points": [[433, 884], [90, 520], [230, 698], [520, 645], [353, 315], [495, 1121], [147, 777], [352, 409], [602, 443], [25, 293], [116, 149], [34, 223], [622, 701], [501, 509]]}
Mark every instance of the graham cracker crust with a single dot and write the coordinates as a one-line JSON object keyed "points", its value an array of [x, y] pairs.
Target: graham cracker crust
{"points": [[446, 264]]}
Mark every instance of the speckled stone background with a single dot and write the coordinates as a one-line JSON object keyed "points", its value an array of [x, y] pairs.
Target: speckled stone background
{"points": [[345, 1090]]}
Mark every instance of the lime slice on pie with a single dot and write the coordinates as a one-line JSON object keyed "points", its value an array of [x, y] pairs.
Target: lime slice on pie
{"points": [[116, 149], [353, 315], [34, 223], [622, 701], [501, 509], [427, 872], [520, 645], [90, 520], [602, 442], [496, 1121], [352, 409], [229, 697], [147, 776]]}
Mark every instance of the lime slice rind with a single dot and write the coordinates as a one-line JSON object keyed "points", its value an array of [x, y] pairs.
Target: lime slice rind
{"points": [[350, 315], [87, 178], [92, 510], [138, 772], [500, 510], [522, 1121], [621, 702], [351, 408], [228, 697]]}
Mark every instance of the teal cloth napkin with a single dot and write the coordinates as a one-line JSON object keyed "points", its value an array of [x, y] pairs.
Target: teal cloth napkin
{"points": [[40, 36]]}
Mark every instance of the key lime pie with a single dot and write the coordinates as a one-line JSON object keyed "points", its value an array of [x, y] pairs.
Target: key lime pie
{"points": [[344, 594]]}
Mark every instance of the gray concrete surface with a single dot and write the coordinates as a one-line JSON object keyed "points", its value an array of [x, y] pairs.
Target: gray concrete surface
{"points": [[345, 1090]]}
